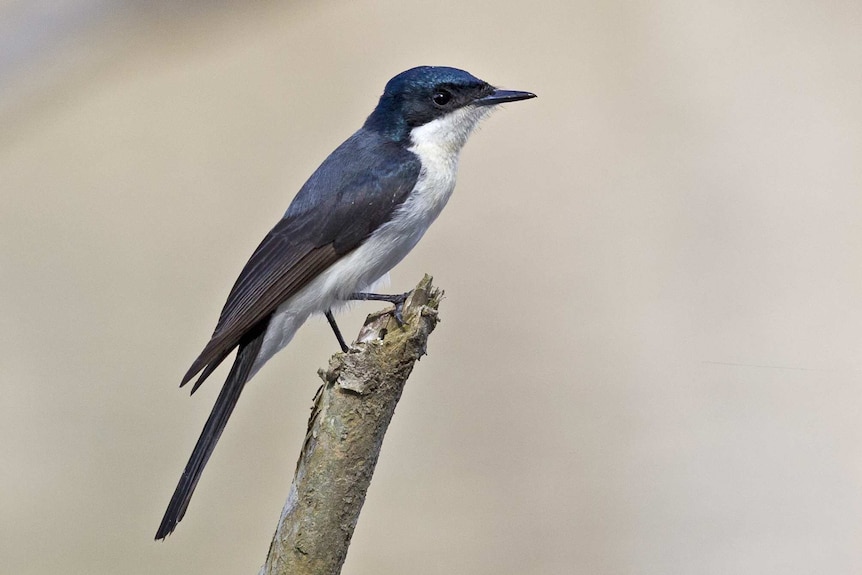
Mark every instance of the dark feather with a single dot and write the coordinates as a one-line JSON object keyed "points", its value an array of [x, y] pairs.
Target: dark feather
{"points": [[357, 189], [236, 380], [351, 194]]}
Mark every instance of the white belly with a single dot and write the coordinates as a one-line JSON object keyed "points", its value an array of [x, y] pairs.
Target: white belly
{"points": [[365, 265]]}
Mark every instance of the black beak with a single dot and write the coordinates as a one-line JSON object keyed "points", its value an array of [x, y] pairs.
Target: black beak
{"points": [[503, 96]]}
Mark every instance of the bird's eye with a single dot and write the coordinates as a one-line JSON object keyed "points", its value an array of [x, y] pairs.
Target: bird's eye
{"points": [[441, 97]]}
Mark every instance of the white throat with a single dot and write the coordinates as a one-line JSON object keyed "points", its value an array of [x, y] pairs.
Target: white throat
{"points": [[448, 134], [438, 144]]}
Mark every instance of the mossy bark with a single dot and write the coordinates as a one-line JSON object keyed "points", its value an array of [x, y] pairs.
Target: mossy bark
{"points": [[351, 413]]}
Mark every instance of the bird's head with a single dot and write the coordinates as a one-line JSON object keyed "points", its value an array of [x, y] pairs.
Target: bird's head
{"points": [[438, 103]]}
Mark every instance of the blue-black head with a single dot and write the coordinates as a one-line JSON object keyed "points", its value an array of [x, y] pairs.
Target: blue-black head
{"points": [[421, 95]]}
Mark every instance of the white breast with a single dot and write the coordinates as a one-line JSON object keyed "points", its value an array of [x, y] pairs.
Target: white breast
{"points": [[438, 145]]}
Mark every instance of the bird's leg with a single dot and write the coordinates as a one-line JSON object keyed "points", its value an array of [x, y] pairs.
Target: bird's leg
{"points": [[397, 300], [331, 319]]}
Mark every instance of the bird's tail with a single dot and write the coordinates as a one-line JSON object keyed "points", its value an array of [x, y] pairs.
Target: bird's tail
{"points": [[239, 375]]}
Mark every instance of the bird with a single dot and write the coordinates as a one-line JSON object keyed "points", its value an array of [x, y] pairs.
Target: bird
{"points": [[358, 215]]}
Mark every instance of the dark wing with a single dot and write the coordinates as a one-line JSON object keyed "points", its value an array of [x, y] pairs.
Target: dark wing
{"points": [[249, 347], [350, 195]]}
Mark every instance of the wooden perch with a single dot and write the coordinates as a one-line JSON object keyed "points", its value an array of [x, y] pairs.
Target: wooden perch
{"points": [[351, 412]]}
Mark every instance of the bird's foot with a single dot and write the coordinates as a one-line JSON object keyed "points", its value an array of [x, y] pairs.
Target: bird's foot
{"points": [[396, 299]]}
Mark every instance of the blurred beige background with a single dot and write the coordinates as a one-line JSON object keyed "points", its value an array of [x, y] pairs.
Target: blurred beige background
{"points": [[649, 360]]}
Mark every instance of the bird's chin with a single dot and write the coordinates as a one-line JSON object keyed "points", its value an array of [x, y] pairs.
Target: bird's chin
{"points": [[446, 135]]}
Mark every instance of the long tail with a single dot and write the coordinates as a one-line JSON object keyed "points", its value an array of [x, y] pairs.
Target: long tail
{"points": [[215, 424]]}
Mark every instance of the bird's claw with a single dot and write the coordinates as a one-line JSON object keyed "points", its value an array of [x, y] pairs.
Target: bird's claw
{"points": [[396, 313]]}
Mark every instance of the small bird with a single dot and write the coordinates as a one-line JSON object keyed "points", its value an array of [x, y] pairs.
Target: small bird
{"points": [[356, 217]]}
